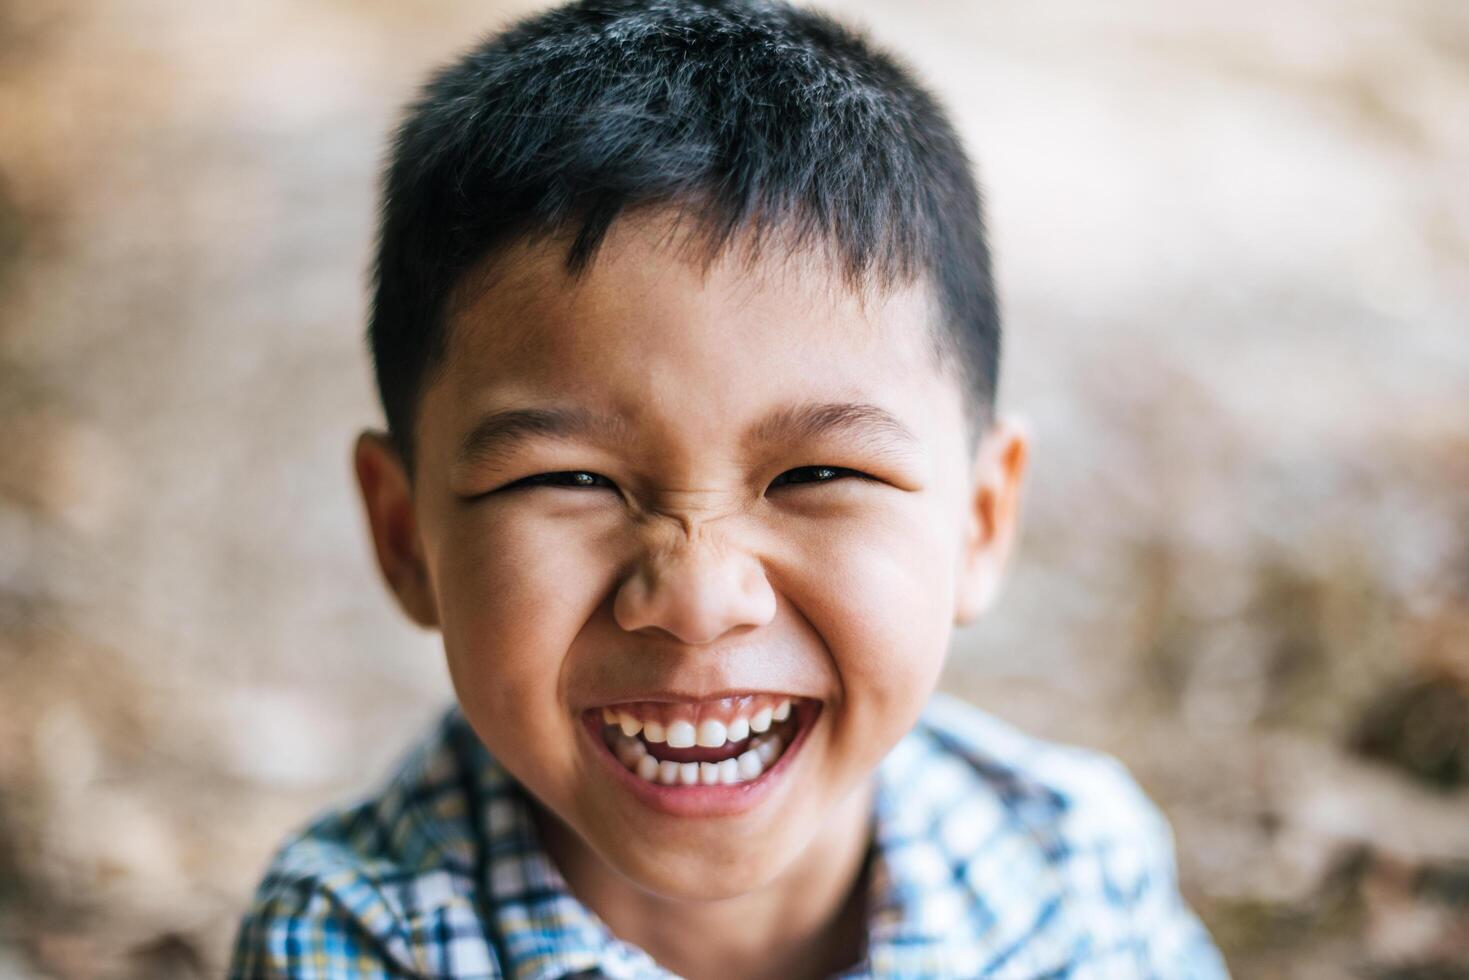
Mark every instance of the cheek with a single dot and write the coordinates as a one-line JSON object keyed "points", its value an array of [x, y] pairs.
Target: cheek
{"points": [[880, 592], [514, 595]]}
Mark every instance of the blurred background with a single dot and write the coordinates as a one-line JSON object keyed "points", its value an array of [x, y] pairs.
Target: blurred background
{"points": [[1233, 245]]}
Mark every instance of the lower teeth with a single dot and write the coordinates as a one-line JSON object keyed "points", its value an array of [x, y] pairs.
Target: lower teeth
{"points": [[749, 765]]}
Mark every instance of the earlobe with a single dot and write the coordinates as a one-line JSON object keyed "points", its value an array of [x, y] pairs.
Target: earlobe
{"points": [[388, 499], [992, 517]]}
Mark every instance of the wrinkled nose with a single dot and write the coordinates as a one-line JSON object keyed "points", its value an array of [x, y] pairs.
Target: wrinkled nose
{"points": [[696, 590]]}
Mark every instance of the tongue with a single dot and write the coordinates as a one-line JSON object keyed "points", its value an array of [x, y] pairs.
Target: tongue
{"points": [[697, 753]]}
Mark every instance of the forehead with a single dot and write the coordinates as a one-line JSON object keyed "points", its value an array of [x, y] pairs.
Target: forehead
{"points": [[650, 332]]}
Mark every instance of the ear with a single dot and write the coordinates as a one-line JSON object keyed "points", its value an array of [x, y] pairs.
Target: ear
{"points": [[992, 516], [388, 499]]}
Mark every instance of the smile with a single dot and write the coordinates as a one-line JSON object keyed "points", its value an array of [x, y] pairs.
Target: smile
{"points": [[704, 756]]}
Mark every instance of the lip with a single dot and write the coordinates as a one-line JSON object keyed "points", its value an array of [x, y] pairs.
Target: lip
{"points": [[705, 801], [688, 697]]}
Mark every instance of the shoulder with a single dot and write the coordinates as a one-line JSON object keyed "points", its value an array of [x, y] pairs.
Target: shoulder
{"points": [[1085, 858], [385, 887], [1068, 797]]}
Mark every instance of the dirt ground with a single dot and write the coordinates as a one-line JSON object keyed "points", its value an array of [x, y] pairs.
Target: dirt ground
{"points": [[1233, 249]]}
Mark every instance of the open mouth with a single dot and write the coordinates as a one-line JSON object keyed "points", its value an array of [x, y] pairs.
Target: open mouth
{"points": [[724, 742]]}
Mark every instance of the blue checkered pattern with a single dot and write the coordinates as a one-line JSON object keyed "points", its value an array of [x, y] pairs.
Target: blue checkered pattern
{"points": [[995, 855]]}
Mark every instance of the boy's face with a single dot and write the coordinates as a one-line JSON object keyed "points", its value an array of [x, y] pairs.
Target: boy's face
{"points": [[688, 560]]}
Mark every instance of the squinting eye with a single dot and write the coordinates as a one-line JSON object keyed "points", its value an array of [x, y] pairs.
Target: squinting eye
{"points": [[816, 474], [565, 478]]}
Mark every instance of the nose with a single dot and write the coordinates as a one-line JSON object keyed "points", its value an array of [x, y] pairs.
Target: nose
{"points": [[697, 590]]}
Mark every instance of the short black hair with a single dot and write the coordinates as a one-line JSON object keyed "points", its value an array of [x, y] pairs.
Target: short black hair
{"points": [[747, 114]]}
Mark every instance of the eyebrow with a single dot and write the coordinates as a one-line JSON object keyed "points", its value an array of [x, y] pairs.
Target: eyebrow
{"points": [[496, 435], [809, 420]]}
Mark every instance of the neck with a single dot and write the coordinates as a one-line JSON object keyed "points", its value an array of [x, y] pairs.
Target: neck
{"points": [[808, 922]]}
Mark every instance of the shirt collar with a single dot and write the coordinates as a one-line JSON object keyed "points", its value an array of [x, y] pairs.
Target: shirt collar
{"points": [[945, 838], [543, 931], [964, 879]]}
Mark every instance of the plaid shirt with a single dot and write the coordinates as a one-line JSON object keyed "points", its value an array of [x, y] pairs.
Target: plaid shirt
{"points": [[995, 855]]}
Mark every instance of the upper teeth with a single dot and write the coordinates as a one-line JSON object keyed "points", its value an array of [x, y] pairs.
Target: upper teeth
{"points": [[681, 735], [749, 730], [710, 732]]}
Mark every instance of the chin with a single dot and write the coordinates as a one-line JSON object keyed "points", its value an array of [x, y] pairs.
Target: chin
{"points": [[695, 879]]}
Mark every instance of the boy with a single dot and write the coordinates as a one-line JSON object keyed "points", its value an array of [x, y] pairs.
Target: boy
{"points": [[685, 334]]}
